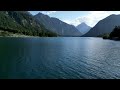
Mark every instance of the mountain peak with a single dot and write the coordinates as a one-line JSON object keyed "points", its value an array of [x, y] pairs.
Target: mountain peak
{"points": [[40, 14], [83, 23], [83, 27], [114, 14]]}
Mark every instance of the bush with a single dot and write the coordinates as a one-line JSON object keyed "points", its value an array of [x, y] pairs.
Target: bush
{"points": [[4, 33], [115, 32], [106, 36]]}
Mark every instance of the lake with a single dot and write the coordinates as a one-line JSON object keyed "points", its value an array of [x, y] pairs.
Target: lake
{"points": [[59, 58]]}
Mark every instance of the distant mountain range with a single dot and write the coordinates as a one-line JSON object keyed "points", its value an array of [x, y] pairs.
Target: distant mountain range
{"points": [[83, 28], [104, 26], [57, 26], [43, 25], [39, 25]]}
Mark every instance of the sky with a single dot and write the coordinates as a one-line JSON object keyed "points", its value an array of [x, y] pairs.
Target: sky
{"points": [[91, 18]]}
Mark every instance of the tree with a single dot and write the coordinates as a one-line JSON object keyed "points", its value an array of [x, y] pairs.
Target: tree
{"points": [[115, 32]]}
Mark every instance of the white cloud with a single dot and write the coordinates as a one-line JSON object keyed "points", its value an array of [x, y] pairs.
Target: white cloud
{"points": [[91, 18], [44, 12], [48, 12], [68, 21]]}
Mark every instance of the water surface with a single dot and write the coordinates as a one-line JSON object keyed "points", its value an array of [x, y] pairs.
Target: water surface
{"points": [[59, 58]]}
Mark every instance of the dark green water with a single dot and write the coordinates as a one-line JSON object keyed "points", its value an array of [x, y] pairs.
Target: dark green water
{"points": [[59, 58]]}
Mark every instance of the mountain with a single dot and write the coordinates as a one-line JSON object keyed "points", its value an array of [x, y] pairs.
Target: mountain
{"points": [[104, 26], [83, 28], [21, 22], [57, 26]]}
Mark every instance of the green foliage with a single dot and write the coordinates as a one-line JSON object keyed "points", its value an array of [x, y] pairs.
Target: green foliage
{"points": [[115, 32], [106, 36], [4, 33], [22, 22], [48, 34]]}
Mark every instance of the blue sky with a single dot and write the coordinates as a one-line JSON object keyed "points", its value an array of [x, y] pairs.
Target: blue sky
{"points": [[77, 17], [63, 14]]}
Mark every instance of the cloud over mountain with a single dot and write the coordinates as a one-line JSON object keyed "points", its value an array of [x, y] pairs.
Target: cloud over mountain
{"points": [[91, 18]]}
